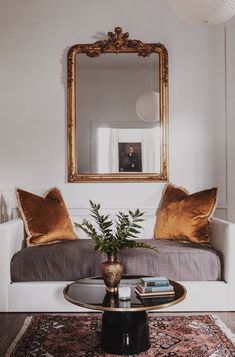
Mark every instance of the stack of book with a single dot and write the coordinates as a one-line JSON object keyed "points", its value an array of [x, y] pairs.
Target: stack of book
{"points": [[158, 289]]}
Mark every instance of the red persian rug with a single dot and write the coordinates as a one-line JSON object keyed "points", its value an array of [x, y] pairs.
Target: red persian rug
{"points": [[171, 336]]}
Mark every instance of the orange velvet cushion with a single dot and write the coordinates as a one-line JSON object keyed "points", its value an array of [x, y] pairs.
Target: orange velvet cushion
{"points": [[46, 219], [184, 216]]}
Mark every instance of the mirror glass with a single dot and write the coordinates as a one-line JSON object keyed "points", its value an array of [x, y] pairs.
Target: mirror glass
{"points": [[112, 138]]}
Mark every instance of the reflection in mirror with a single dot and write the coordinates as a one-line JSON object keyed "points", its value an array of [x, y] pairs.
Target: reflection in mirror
{"points": [[111, 136], [117, 110]]}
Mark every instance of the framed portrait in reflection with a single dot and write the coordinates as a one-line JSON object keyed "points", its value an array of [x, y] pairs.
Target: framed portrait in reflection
{"points": [[130, 157]]}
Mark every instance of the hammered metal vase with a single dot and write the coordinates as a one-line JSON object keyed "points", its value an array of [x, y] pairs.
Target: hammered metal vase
{"points": [[112, 272]]}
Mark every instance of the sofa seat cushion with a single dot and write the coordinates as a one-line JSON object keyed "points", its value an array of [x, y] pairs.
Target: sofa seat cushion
{"points": [[72, 260]]}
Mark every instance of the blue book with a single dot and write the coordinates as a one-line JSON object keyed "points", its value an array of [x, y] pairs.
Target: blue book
{"points": [[152, 289], [155, 281]]}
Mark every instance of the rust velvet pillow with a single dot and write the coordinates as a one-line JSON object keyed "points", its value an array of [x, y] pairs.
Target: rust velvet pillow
{"points": [[46, 218], [184, 216]]}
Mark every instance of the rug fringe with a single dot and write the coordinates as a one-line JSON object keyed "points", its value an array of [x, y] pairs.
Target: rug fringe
{"points": [[16, 340], [226, 330]]}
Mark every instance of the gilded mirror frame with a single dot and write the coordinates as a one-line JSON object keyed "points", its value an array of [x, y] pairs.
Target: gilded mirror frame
{"points": [[117, 42]]}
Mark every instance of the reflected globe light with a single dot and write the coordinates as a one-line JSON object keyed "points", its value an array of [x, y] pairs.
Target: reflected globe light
{"points": [[208, 12], [147, 107]]}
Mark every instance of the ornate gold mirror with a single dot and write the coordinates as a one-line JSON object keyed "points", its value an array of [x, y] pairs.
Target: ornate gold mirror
{"points": [[117, 110]]}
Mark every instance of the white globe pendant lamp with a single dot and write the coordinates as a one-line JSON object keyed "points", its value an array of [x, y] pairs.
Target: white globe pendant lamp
{"points": [[147, 106], [208, 12]]}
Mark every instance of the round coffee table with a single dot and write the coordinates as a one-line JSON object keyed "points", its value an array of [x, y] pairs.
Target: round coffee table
{"points": [[125, 328]]}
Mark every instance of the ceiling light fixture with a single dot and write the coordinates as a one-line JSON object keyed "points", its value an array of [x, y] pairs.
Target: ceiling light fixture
{"points": [[147, 106], [209, 12]]}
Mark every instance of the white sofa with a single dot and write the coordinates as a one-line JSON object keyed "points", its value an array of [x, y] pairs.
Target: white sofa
{"points": [[48, 296]]}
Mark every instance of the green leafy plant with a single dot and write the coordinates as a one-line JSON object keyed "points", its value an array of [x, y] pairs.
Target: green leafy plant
{"points": [[112, 237]]}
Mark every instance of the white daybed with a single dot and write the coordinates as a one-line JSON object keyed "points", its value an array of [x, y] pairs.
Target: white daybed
{"points": [[48, 296]]}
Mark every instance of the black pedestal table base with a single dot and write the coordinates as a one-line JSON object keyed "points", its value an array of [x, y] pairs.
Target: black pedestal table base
{"points": [[125, 332]]}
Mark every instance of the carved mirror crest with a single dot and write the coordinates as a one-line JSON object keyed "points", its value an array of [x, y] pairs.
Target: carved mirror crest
{"points": [[117, 111]]}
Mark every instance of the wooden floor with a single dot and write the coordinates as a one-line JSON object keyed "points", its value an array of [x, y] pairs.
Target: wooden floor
{"points": [[11, 323]]}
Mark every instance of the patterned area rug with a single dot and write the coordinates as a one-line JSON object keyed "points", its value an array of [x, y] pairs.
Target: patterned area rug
{"points": [[171, 336]]}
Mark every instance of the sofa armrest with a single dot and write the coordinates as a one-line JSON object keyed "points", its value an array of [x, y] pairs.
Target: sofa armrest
{"points": [[11, 241], [223, 240]]}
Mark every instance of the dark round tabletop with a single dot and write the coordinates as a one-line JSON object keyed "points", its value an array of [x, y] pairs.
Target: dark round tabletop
{"points": [[90, 293]]}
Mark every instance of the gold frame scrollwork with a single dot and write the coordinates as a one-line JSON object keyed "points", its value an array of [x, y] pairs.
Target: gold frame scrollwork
{"points": [[117, 42]]}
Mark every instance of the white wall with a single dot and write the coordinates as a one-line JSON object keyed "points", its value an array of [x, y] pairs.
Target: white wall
{"points": [[34, 39], [230, 89]]}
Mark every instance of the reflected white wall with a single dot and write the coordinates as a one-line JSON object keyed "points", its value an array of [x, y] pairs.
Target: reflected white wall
{"points": [[106, 155]]}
